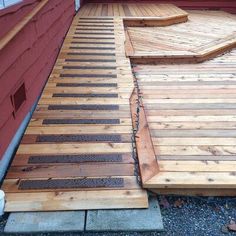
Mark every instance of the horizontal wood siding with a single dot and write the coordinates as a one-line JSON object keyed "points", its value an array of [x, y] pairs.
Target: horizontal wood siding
{"points": [[29, 57]]}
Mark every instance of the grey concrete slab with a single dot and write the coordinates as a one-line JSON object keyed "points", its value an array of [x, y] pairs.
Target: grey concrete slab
{"points": [[126, 220], [61, 221]]}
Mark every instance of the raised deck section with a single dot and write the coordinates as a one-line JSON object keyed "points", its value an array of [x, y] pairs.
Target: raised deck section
{"points": [[77, 152], [190, 110], [133, 10], [199, 39], [137, 14]]}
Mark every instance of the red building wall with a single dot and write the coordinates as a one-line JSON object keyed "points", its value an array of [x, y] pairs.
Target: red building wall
{"points": [[29, 57]]}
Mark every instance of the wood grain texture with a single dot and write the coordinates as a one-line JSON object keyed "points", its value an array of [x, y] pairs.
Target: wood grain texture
{"points": [[130, 11], [191, 42], [192, 130], [78, 71], [145, 150], [75, 200]]}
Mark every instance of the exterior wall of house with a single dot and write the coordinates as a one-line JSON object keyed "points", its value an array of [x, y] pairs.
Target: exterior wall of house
{"points": [[28, 58]]}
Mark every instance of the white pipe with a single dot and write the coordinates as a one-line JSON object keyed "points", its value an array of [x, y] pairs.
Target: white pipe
{"points": [[77, 5]]}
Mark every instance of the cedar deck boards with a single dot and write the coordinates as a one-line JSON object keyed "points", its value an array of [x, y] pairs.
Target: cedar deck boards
{"points": [[77, 151], [146, 154], [137, 14], [78, 147], [131, 10], [193, 41], [190, 109]]}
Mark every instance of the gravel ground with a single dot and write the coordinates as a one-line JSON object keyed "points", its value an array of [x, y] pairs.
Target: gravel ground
{"points": [[182, 216]]}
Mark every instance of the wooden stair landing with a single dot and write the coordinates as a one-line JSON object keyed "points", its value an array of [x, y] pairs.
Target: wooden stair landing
{"points": [[131, 10], [137, 14], [77, 152]]}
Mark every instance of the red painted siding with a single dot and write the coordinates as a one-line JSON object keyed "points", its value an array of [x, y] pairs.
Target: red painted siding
{"points": [[29, 57]]}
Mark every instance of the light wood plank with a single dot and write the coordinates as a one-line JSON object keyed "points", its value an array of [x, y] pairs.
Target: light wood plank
{"points": [[76, 200]]}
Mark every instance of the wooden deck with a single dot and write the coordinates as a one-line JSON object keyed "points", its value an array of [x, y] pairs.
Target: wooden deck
{"points": [[193, 41], [77, 152], [126, 10], [190, 110], [137, 14]]}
